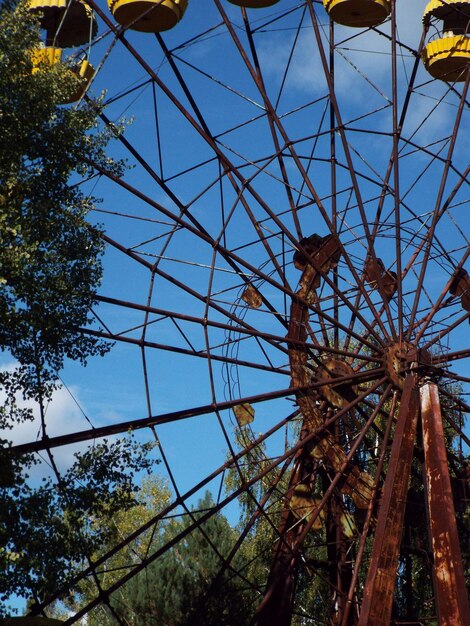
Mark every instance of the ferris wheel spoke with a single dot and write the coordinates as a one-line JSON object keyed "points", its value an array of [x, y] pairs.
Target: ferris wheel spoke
{"points": [[303, 173], [277, 341], [175, 349], [352, 173], [272, 128], [437, 209], [394, 159], [422, 325], [396, 171], [452, 356], [370, 511]]}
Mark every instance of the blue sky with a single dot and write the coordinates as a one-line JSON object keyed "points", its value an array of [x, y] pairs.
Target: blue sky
{"points": [[112, 389]]}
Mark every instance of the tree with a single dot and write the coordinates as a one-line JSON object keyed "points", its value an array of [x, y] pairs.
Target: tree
{"points": [[152, 495], [176, 589], [48, 532], [50, 256], [183, 587], [50, 269]]}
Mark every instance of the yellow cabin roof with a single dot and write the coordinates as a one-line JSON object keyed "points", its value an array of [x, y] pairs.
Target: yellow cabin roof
{"points": [[254, 4], [439, 8]]}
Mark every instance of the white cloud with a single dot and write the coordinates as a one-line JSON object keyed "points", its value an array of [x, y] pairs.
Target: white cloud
{"points": [[63, 415], [367, 50]]}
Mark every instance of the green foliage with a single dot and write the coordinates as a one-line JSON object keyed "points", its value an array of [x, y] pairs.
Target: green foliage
{"points": [[183, 586], [50, 265], [50, 269], [47, 532], [180, 588], [151, 496]]}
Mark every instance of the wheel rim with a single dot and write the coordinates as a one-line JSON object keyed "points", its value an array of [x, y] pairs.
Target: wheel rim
{"points": [[210, 301]]}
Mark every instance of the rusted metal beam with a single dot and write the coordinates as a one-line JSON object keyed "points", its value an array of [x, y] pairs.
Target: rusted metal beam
{"points": [[46, 443], [275, 340], [449, 581], [277, 604], [378, 593], [437, 214]]}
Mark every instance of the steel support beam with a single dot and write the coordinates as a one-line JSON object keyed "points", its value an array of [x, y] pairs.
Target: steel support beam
{"points": [[277, 605], [449, 581], [378, 593]]}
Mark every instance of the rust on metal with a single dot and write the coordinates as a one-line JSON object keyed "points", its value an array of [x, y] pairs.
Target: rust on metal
{"points": [[325, 251], [420, 356], [244, 413], [396, 361], [449, 581], [357, 484], [461, 287], [303, 505], [339, 394], [380, 278], [380, 584], [252, 297]]}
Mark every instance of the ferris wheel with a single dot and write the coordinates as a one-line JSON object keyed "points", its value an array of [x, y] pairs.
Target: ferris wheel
{"points": [[286, 284]]}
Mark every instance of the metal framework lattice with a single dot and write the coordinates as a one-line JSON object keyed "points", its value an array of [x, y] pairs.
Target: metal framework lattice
{"points": [[287, 291]]}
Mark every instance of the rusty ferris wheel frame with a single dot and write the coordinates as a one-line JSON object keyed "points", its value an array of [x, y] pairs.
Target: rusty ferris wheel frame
{"points": [[328, 279]]}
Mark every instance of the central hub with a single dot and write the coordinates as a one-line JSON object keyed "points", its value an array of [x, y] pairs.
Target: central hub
{"points": [[398, 359], [397, 362]]}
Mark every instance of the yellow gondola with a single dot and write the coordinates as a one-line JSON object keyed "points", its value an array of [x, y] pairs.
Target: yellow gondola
{"points": [[67, 22], [358, 13], [49, 55], [148, 16], [82, 71], [447, 57], [254, 4]]}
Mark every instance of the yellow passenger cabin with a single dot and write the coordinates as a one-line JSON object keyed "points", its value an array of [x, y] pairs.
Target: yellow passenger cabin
{"points": [[447, 55], [67, 22], [82, 71], [358, 13], [148, 16]]}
